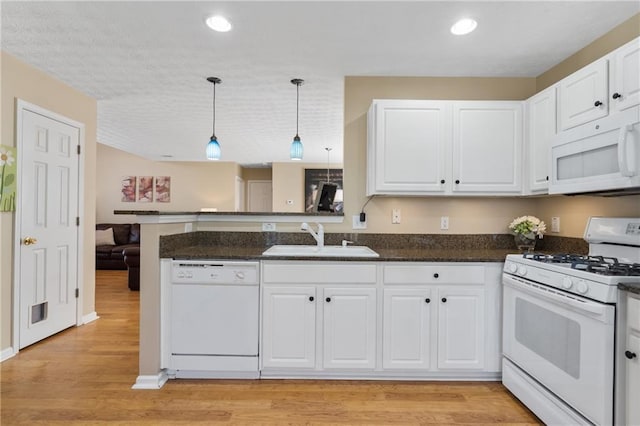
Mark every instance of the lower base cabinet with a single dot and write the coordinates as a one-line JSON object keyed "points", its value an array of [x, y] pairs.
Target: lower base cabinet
{"points": [[632, 361], [379, 319]]}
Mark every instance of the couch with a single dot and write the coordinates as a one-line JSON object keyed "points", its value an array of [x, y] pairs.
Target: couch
{"points": [[111, 255]]}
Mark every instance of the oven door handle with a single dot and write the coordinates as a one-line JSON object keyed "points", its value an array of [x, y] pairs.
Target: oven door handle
{"points": [[593, 309]]}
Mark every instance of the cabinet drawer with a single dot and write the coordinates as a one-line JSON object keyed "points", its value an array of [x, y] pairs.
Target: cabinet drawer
{"points": [[633, 313], [433, 274], [319, 272]]}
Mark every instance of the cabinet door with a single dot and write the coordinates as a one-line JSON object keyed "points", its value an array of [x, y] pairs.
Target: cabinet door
{"points": [[583, 95], [541, 113], [288, 326], [408, 146], [349, 328], [487, 147], [406, 334], [461, 328], [633, 380], [625, 76]]}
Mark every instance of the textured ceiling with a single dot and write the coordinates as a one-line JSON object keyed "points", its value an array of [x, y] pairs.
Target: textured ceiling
{"points": [[146, 62]]}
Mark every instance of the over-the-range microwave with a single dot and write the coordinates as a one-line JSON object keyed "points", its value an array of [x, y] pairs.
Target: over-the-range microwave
{"points": [[601, 157]]}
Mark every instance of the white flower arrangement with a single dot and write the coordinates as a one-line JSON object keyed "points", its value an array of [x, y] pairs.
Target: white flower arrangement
{"points": [[529, 226]]}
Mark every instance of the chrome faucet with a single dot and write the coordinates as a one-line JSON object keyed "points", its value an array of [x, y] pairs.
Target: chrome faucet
{"points": [[319, 237]]}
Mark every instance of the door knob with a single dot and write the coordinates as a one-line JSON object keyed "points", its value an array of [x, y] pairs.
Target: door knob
{"points": [[29, 241]]}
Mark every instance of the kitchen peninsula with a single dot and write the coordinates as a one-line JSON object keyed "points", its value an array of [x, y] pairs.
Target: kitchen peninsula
{"points": [[164, 237]]}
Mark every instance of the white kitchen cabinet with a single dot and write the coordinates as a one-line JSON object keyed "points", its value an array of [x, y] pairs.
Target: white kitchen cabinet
{"points": [[406, 334], [541, 128], [349, 328], [461, 328], [632, 361], [625, 76], [420, 147], [487, 147], [289, 326], [583, 96], [441, 317], [318, 315], [408, 146]]}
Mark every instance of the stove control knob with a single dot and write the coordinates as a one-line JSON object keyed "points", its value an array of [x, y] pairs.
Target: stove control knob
{"points": [[513, 268], [582, 287], [567, 282], [522, 271]]}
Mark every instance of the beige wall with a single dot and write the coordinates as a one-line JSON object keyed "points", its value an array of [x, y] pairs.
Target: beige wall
{"points": [[21, 81], [254, 173], [615, 38], [193, 184]]}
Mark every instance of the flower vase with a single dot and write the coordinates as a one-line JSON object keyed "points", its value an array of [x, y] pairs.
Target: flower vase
{"points": [[524, 243]]}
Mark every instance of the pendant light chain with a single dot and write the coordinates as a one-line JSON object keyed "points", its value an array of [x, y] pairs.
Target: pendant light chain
{"points": [[297, 105], [213, 130]]}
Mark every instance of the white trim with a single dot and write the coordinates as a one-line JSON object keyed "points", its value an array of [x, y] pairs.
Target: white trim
{"points": [[86, 319], [217, 217], [381, 375], [151, 382], [6, 354], [20, 107]]}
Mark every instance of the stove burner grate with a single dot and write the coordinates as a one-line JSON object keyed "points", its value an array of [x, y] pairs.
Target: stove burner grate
{"points": [[602, 265]]}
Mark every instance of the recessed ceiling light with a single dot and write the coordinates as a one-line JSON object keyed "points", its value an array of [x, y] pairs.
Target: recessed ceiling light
{"points": [[218, 23], [464, 26]]}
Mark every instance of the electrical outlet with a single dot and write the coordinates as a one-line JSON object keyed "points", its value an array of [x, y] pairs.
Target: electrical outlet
{"points": [[268, 227], [555, 224], [444, 222], [395, 216], [357, 224]]}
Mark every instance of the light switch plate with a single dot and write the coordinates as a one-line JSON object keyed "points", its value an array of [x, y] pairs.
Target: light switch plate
{"points": [[555, 224], [444, 223]]}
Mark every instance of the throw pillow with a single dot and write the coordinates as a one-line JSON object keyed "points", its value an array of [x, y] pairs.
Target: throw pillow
{"points": [[105, 237]]}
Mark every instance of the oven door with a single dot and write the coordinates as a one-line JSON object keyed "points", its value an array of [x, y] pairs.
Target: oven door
{"points": [[563, 341]]}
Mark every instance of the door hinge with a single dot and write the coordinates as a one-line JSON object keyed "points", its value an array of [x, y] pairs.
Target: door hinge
{"points": [[77, 220], [77, 293], [78, 149]]}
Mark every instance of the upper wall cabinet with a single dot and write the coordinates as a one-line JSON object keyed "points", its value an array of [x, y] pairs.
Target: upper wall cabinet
{"points": [[541, 128], [608, 85], [408, 146], [487, 147], [625, 76], [444, 147]]}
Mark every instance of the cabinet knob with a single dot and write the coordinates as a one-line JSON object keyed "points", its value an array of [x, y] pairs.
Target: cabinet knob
{"points": [[629, 354], [444, 300], [597, 103], [427, 300], [311, 299], [457, 181], [436, 275], [441, 180], [547, 177], [616, 95], [328, 299]]}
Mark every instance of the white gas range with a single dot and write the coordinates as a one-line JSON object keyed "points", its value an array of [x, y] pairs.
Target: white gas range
{"points": [[559, 324]]}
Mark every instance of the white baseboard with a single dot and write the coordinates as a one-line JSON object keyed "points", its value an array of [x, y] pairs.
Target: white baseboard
{"points": [[86, 319], [7, 353], [151, 381]]}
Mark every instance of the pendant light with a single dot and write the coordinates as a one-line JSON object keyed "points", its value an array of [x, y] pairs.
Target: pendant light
{"points": [[296, 145], [213, 147]]}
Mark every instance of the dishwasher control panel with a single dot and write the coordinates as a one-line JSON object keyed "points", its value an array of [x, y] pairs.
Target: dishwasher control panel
{"points": [[212, 272]]}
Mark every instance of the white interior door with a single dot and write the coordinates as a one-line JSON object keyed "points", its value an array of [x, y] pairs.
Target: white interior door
{"points": [[47, 267], [260, 195]]}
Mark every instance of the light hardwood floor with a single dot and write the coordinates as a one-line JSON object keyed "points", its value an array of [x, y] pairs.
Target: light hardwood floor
{"points": [[84, 376]]}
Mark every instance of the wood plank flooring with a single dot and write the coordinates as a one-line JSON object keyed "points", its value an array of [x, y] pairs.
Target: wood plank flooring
{"points": [[84, 375]]}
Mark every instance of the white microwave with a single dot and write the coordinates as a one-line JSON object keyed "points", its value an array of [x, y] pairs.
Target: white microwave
{"points": [[602, 157]]}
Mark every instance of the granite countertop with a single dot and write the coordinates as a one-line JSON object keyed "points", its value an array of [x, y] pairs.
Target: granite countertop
{"points": [[630, 287]]}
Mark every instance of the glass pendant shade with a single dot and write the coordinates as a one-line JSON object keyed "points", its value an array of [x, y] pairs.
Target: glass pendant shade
{"points": [[296, 149], [213, 149]]}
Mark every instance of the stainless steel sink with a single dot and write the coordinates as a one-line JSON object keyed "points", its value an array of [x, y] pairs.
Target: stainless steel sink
{"points": [[326, 251]]}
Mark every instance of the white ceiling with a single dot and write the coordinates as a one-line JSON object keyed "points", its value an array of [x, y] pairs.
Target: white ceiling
{"points": [[146, 62]]}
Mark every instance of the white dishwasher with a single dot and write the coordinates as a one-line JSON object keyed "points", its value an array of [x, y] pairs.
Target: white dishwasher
{"points": [[214, 319]]}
